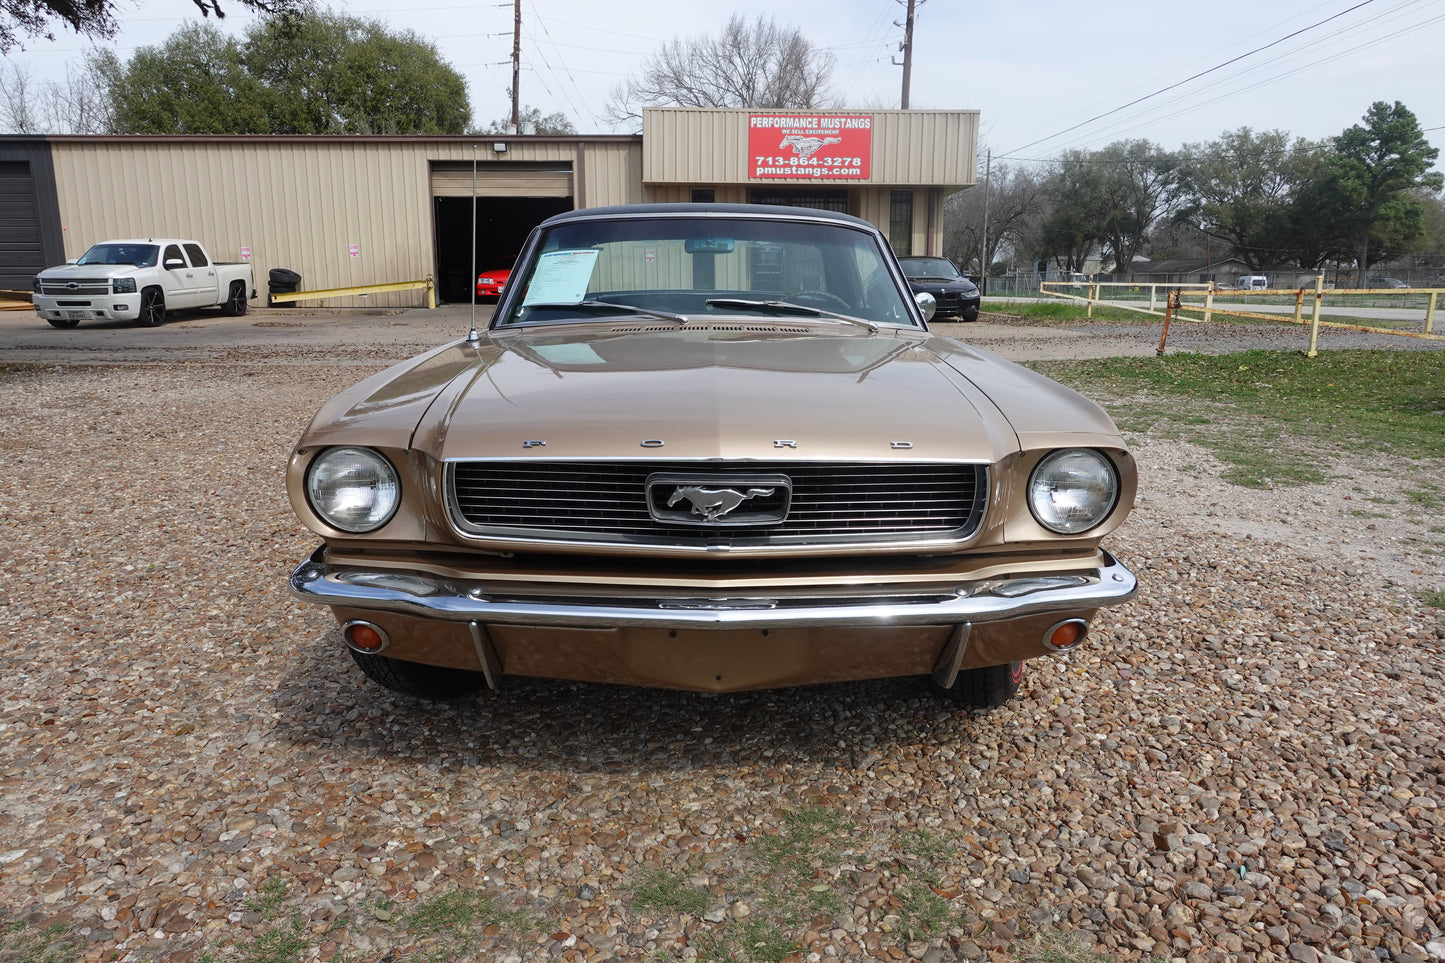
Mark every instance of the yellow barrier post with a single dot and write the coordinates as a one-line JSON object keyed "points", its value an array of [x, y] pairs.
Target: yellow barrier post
{"points": [[1093, 293], [1299, 305], [431, 293], [1430, 312], [1313, 352], [1208, 302]]}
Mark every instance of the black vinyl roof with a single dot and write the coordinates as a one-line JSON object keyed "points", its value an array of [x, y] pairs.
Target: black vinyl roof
{"points": [[706, 210]]}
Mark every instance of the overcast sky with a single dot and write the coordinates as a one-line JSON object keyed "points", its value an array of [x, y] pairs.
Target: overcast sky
{"points": [[1047, 76]]}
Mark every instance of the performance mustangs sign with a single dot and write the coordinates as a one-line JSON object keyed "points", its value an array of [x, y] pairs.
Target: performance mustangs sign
{"points": [[827, 147]]}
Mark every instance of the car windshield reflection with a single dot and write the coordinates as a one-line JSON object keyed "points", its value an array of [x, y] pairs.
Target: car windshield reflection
{"points": [[693, 269]]}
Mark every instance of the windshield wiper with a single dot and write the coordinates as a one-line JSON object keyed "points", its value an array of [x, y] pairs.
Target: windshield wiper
{"points": [[788, 307], [612, 306]]}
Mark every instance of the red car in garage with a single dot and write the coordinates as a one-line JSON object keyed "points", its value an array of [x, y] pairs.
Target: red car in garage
{"points": [[490, 284]]}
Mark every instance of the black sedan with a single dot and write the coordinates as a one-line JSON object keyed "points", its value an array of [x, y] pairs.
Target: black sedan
{"points": [[956, 295]]}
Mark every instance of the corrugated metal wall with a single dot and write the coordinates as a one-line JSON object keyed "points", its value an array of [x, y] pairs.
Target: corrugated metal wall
{"points": [[299, 203]]}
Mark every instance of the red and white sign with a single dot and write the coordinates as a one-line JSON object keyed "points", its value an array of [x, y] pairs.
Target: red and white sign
{"points": [[245, 254], [355, 250], [825, 147]]}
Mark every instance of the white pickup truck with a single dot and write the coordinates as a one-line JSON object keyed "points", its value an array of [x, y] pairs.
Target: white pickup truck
{"points": [[140, 280]]}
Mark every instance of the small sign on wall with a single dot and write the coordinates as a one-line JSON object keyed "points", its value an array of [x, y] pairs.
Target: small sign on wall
{"points": [[245, 254], [356, 250]]}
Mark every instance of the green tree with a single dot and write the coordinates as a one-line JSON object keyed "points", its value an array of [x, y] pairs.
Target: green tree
{"points": [[97, 20], [1374, 173], [533, 122], [194, 83], [1068, 231], [321, 73], [1133, 184], [1244, 189]]}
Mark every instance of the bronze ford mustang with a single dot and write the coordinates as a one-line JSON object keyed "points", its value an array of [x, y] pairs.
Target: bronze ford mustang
{"points": [[716, 448]]}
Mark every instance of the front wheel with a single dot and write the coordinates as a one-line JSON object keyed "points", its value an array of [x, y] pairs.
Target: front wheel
{"points": [[235, 304], [970, 314], [152, 308], [987, 687], [63, 322], [416, 679]]}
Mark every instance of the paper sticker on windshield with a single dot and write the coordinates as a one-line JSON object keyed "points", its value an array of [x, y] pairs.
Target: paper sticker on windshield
{"points": [[561, 277]]}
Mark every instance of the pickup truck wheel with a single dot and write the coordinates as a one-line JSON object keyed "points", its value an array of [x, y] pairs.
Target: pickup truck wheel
{"points": [[63, 322], [987, 687], [152, 308], [415, 679], [235, 304]]}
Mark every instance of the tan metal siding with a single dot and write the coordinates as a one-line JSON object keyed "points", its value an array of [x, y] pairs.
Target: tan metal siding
{"points": [[300, 203], [295, 205], [910, 147], [513, 179], [613, 174]]}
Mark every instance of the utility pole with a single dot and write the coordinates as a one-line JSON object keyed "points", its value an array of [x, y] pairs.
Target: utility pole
{"points": [[983, 241], [907, 47], [516, 126]]}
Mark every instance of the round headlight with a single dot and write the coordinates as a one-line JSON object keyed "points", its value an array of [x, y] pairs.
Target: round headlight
{"points": [[1073, 490], [353, 489]]}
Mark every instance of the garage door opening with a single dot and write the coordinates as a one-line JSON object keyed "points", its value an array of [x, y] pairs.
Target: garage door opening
{"points": [[503, 223], [512, 197]]}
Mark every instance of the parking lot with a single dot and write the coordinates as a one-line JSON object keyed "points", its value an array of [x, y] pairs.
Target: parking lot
{"points": [[1244, 763]]}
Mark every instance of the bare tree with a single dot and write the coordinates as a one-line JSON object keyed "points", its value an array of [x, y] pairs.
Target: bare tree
{"points": [[757, 65], [1015, 198], [75, 105], [17, 101]]}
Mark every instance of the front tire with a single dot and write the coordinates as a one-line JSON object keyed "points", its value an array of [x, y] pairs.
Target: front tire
{"points": [[152, 308], [236, 303], [416, 679], [987, 687], [63, 322]]}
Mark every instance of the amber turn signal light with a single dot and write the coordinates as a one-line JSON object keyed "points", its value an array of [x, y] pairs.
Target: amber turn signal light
{"points": [[365, 637], [1065, 635]]}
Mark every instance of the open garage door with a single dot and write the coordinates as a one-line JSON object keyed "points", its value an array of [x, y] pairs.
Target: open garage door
{"points": [[21, 253], [512, 198]]}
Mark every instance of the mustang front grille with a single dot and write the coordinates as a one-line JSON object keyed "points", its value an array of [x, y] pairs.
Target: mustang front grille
{"points": [[608, 501]]}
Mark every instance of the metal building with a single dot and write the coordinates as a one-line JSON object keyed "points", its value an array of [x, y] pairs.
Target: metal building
{"points": [[348, 211]]}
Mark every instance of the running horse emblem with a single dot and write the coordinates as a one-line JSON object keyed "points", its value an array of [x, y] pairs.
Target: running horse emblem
{"points": [[714, 503]]}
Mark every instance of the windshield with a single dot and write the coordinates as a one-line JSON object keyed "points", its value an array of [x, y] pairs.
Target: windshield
{"points": [[928, 267], [673, 267], [140, 255]]}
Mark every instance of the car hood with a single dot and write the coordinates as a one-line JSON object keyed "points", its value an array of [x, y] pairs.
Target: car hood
{"points": [[731, 391], [66, 272], [943, 284], [725, 391]]}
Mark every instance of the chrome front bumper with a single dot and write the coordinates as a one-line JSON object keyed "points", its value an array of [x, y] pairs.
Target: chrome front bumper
{"points": [[993, 600], [87, 307]]}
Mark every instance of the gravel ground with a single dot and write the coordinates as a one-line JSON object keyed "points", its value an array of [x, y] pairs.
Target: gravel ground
{"points": [[1246, 762]]}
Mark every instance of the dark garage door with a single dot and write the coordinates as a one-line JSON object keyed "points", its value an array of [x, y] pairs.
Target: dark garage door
{"points": [[21, 255], [512, 197]]}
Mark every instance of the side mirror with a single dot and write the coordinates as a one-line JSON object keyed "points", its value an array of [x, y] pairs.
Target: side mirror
{"points": [[175, 264], [927, 304]]}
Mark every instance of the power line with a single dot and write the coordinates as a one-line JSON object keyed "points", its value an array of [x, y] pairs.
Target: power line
{"points": [[1196, 76]]}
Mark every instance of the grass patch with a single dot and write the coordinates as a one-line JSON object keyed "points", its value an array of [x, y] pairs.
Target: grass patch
{"points": [[1434, 598], [20, 942], [1069, 312], [1241, 405], [449, 925], [662, 893], [922, 912]]}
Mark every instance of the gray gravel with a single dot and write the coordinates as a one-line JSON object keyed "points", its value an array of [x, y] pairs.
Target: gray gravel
{"points": [[1245, 763]]}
